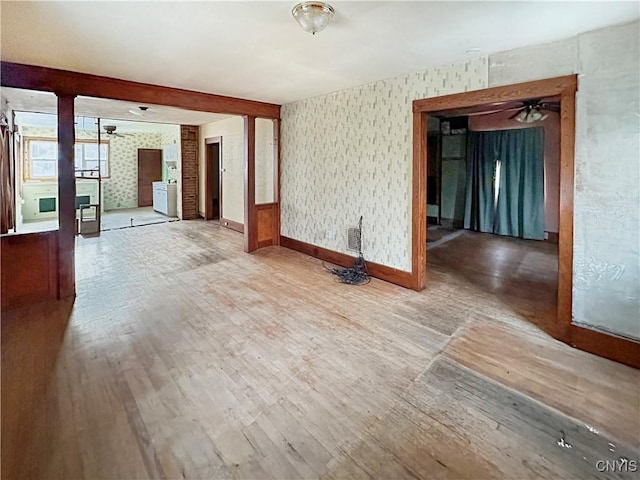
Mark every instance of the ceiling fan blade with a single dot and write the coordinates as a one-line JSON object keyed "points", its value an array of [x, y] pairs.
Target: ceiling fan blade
{"points": [[515, 114], [489, 112]]}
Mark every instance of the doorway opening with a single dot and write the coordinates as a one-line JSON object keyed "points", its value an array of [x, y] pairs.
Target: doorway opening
{"points": [[448, 209], [494, 202], [213, 179]]}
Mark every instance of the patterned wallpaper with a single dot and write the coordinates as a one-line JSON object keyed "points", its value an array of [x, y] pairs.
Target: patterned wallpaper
{"points": [[348, 154], [121, 190]]}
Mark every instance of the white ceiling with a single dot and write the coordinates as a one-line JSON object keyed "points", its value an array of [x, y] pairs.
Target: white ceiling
{"points": [[89, 124], [256, 50], [45, 102]]}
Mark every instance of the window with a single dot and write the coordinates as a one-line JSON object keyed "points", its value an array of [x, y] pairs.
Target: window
{"points": [[87, 159], [41, 158]]}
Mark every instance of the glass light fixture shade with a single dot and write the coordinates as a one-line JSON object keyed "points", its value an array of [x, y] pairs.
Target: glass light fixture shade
{"points": [[531, 115], [312, 16], [522, 116]]}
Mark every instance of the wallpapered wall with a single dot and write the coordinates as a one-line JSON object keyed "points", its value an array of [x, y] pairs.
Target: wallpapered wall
{"points": [[121, 190], [606, 270], [349, 153]]}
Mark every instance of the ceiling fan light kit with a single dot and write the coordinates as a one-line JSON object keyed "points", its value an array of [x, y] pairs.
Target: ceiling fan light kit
{"points": [[531, 114], [313, 16]]}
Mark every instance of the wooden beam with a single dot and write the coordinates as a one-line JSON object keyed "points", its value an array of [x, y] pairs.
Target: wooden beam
{"points": [[46, 79], [66, 197], [250, 220]]}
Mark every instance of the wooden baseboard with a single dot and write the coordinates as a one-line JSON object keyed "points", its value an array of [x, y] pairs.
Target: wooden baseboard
{"points": [[238, 227], [552, 237], [383, 272], [605, 345]]}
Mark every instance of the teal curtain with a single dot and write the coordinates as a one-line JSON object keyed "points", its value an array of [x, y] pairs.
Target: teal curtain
{"points": [[520, 206], [518, 156], [482, 152]]}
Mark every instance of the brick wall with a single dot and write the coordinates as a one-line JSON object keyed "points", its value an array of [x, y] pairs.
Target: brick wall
{"points": [[189, 167]]}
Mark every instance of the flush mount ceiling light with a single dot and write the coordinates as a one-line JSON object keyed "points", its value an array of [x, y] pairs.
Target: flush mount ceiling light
{"points": [[312, 16]]}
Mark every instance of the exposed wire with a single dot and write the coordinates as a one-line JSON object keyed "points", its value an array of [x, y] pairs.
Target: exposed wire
{"points": [[356, 274]]}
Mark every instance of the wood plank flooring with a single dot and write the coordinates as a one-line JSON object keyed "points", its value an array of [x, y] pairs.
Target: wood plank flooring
{"points": [[183, 357]]}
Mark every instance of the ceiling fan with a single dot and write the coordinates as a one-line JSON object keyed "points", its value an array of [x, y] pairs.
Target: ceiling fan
{"points": [[529, 111], [534, 111], [110, 131]]}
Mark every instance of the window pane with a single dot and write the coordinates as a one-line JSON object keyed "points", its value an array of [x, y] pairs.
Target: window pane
{"points": [[90, 151], [43, 168], [90, 165], [44, 150]]}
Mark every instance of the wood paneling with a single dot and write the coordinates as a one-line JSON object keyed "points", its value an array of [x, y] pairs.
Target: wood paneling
{"points": [[383, 272], [66, 197], [29, 268], [73, 83], [250, 223], [266, 219]]}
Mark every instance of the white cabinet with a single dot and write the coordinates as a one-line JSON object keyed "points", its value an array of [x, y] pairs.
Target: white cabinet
{"points": [[165, 198]]}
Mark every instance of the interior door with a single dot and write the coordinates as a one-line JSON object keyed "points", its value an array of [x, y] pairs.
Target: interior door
{"points": [[149, 170]]}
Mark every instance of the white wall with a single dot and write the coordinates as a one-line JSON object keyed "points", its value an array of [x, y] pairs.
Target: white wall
{"points": [[348, 154], [606, 271], [231, 160]]}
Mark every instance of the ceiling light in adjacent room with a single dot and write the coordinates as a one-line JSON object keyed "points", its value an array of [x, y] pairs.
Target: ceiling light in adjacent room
{"points": [[312, 16]]}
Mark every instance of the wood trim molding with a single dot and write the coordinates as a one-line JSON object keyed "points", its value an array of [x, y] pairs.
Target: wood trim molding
{"points": [[237, 226], [383, 272], [419, 203], [32, 77], [519, 91], [250, 221], [605, 345]]}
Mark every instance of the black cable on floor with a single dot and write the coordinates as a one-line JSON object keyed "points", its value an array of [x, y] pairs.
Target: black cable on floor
{"points": [[355, 275]]}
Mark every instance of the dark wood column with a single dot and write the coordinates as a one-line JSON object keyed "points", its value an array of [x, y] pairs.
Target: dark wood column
{"points": [[66, 197], [250, 221]]}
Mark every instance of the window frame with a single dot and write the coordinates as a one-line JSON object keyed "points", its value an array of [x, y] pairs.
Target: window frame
{"points": [[27, 166]]}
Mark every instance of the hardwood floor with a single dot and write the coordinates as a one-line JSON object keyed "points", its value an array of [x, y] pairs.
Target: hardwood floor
{"points": [[183, 357]]}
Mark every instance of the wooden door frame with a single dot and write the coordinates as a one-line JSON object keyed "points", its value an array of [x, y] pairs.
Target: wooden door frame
{"points": [[610, 346], [208, 172]]}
